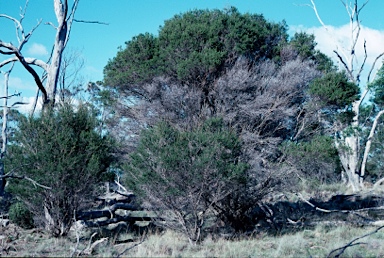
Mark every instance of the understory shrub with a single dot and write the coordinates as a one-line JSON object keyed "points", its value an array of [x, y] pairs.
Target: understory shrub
{"points": [[187, 173], [65, 160], [20, 215]]}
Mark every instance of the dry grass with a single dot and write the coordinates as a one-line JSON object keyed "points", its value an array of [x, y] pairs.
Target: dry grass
{"points": [[316, 243]]}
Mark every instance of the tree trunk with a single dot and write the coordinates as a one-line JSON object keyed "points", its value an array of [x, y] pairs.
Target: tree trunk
{"points": [[4, 129], [2, 180], [61, 10], [368, 145], [349, 152], [349, 159]]}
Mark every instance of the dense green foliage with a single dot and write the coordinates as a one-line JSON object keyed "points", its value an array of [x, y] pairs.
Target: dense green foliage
{"points": [[138, 63], [20, 215], [378, 88], [375, 164], [305, 45], [187, 172], [195, 47], [210, 147], [61, 150], [316, 160], [335, 89]]}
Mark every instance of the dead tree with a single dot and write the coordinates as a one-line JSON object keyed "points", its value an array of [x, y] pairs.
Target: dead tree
{"points": [[65, 17], [4, 127], [349, 143]]}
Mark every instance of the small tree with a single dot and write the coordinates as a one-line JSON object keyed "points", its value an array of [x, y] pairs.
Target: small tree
{"points": [[187, 172], [60, 150]]}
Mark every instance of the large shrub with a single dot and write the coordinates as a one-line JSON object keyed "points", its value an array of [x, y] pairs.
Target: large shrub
{"points": [[187, 173], [61, 151]]}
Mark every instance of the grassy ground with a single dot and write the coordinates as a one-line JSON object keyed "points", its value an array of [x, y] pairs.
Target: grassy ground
{"points": [[307, 243], [314, 243], [319, 242]]}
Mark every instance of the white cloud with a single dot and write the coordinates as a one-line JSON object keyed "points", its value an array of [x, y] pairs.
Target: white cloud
{"points": [[26, 104], [16, 83], [339, 38], [37, 49]]}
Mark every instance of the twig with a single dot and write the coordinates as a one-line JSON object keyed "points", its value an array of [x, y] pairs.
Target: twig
{"points": [[10, 96], [133, 246], [312, 205], [343, 211], [97, 22], [88, 250], [342, 249]]}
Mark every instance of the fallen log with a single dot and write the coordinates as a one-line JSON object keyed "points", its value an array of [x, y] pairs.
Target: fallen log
{"points": [[362, 210], [108, 213], [118, 218]]}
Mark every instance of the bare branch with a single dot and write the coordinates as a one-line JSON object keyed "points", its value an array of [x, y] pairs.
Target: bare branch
{"points": [[10, 96], [17, 25], [70, 19], [34, 74], [29, 60], [363, 64], [311, 204], [26, 38], [352, 243], [143, 238], [71, 16], [313, 6], [9, 175], [50, 23], [350, 74], [369, 143], [354, 17], [96, 22], [373, 66], [361, 8]]}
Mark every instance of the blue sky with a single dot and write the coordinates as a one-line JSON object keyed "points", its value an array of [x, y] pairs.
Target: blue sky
{"points": [[127, 18]]}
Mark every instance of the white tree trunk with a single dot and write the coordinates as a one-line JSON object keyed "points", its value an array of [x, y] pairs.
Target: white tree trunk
{"points": [[65, 18], [349, 151], [368, 145], [61, 10], [349, 144]]}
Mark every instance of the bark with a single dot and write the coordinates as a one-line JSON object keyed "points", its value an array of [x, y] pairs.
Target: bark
{"points": [[87, 215], [61, 11], [349, 152], [117, 219], [368, 145], [4, 135]]}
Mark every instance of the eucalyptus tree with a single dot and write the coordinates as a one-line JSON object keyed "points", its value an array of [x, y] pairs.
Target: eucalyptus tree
{"points": [[353, 148], [65, 16]]}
